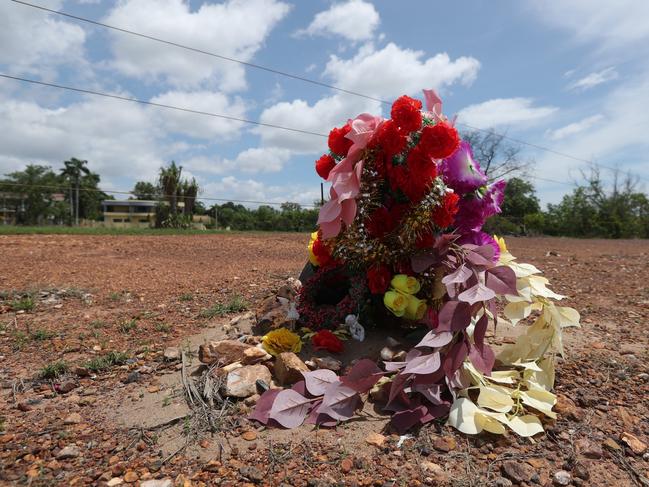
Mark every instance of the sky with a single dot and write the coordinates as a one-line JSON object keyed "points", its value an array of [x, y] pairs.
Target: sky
{"points": [[569, 76]]}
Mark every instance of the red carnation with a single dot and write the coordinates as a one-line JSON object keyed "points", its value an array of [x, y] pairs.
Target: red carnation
{"points": [[406, 112], [322, 253], [338, 143], [421, 164], [389, 138], [378, 279], [326, 340], [425, 241], [444, 214], [324, 165], [439, 141]]}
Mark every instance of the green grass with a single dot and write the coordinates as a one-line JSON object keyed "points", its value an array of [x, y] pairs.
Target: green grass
{"points": [[163, 327], [63, 230], [127, 326], [99, 364], [53, 370], [235, 305], [42, 335], [20, 339], [186, 297], [25, 303], [97, 324]]}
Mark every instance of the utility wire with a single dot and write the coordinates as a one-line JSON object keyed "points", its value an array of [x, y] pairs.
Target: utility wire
{"points": [[296, 77], [160, 105]]}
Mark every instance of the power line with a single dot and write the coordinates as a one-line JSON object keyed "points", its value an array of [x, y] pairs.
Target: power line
{"points": [[296, 77], [160, 105], [63, 188]]}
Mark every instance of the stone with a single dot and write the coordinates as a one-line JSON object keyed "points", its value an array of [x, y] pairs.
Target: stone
{"points": [[612, 444], [431, 468], [346, 465], [249, 435], [445, 443], [80, 371], [132, 377], [517, 471], [637, 446], [242, 381], [157, 483], [561, 477], [70, 451], [73, 418], [252, 400], [376, 439], [115, 481], [252, 473], [171, 354], [502, 482], [66, 386], [588, 448], [581, 471], [131, 476], [226, 352], [289, 368], [276, 318], [328, 363]]}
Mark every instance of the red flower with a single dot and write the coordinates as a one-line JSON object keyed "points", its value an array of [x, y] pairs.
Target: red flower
{"points": [[406, 113], [338, 143], [444, 214], [425, 241], [324, 165], [439, 141], [378, 278], [326, 340], [389, 138], [322, 253], [380, 222]]}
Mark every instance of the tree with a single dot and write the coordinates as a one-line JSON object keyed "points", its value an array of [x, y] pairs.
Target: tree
{"points": [[30, 193], [72, 172], [144, 190], [175, 190], [496, 156]]}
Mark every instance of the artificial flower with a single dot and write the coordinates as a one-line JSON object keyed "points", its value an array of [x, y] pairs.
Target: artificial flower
{"points": [[396, 302], [389, 138], [415, 309], [444, 214], [461, 171], [405, 284], [319, 254], [474, 209], [481, 238], [501, 244], [378, 278], [326, 340], [406, 113], [338, 142], [281, 340], [324, 165], [439, 140]]}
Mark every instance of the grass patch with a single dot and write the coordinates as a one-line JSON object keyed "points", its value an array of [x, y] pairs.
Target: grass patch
{"points": [[97, 324], [25, 303], [42, 335], [127, 326], [186, 297], [235, 305], [99, 364], [63, 230], [53, 370], [115, 296], [20, 340], [163, 327]]}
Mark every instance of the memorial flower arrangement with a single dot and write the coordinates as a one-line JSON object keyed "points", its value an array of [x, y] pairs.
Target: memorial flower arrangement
{"points": [[400, 242]]}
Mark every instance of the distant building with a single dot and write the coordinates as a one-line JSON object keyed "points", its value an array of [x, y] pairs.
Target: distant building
{"points": [[129, 213], [10, 205]]}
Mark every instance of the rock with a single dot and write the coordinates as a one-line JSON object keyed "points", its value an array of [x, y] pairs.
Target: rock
{"points": [[612, 444], [375, 439], [242, 381], [581, 471], [131, 476], [566, 407], [115, 481], [252, 473], [517, 471], [289, 368], [431, 468], [445, 443], [24, 406], [346, 465], [328, 363], [249, 435], [502, 482], [132, 377], [80, 371], [226, 352], [157, 483], [70, 451], [637, 446], [65, 386], [276, 318], [588, 449], [561, 478], [171, 354], [73, 418], [252, 400]]}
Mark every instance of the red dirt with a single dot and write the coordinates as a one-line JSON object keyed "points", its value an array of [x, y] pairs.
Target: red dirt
{"points": [[164, 282]]}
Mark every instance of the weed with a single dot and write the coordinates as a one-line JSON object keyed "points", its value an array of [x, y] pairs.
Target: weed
{"points": [[115, 296], [26, 303], [98, 324], [163, 327], [235, 305], [53, 370], [127, 326], [42, 335], [2, 425], [20, 339], [166, 401], [99, 364], [186, 297]]}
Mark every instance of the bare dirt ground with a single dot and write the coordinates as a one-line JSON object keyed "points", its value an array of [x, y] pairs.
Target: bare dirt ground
{"points": [[112, 304]]}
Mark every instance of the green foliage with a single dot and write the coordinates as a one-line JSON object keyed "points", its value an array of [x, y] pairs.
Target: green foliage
{"points": [[145, 191], [291, 217], [127, 326], [235, 305], [186, 297], [53, 370], [163, 327], [99, 364], [42, 335], [25, 303], [30, 194]]}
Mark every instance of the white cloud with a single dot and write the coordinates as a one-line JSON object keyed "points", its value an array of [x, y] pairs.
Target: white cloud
{"points": [[253, 160], [594, 79], [234, 188], [574, 128], [354, 20], [202, 127], [392, 71], [35, 42], [503, 111], [235, 28]]}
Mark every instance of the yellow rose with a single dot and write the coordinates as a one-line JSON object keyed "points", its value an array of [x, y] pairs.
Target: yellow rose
{"points": [[501, 243], [396, 302], [415, 309], [405, 284], [281, 340], [312, 257]]}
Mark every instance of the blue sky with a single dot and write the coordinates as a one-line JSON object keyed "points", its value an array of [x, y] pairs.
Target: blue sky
{"points": [[570, 76]]}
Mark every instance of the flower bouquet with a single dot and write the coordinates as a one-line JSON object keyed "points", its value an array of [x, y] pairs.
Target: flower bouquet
{"points": [[400, 241]]}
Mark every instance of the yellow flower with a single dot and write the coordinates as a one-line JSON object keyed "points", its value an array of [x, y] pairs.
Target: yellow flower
{"points": [[501, 243], [312, 257], [415, 309], [281, 340], [396, 302], [405, 284]]}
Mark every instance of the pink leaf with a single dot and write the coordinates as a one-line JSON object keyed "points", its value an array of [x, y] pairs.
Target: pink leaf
{"points": [[432, 392], [480, 256], [483, 358], [317, 381], [502, 280], [264, 403], [454, 316], [454, 358], [479, 292], [398, 385], [339, 402], [404, 420], [459, 276], [422, 261], [290, 408], [425, 364], [434, 339], [480, 330], [362, 376]]}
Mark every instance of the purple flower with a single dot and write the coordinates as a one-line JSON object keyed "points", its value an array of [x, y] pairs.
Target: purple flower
{"points": [[475, 208], [462, 172], [481, 238]]}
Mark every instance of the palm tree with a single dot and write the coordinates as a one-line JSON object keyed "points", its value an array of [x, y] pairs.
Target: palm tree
{"points": [[170, 183], [73, 170]]}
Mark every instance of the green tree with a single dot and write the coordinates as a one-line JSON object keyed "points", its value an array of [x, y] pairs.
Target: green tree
{"points": [[72, 172], [29, 193], [143, 190]]}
